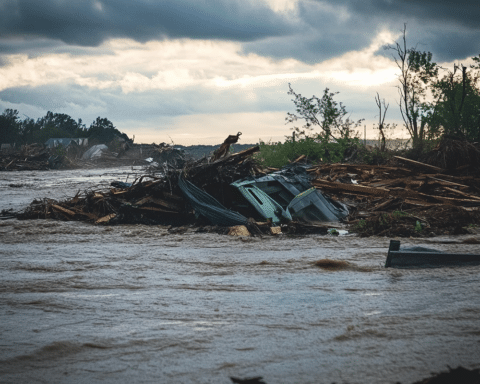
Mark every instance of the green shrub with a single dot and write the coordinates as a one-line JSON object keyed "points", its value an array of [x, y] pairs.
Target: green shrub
{"points": [[316, 149]]}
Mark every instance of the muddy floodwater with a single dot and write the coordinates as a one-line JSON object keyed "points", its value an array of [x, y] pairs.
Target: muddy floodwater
{"points": [[81, 303]]}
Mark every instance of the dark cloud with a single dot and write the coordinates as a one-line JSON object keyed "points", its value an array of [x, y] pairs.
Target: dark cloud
{"points": [[447, 28], [329, 28], [314, 31], [452, 12], [324, 31], [89, 23]]}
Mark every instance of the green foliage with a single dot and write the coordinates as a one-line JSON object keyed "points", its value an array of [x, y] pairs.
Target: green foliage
{"points": [[417, 71], [455, 108], [315, 149], [360, 226], [398, 214], [103, 130], [53, 125], [333, 232], [373, 156], [418, 226], [9, 127], [455, 111], [324, 114], [331, 143], [382, 223]]}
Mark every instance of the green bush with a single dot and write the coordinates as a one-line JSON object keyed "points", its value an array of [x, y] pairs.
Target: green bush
{"points": [[315, 149]]}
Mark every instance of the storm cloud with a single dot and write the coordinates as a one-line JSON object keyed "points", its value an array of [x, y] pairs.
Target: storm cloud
{"points": [[157, 63], [448, 29], [311, 30], [89, 23]]}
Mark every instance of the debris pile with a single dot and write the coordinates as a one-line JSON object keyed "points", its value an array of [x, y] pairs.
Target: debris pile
{"points": [[39, 157], [455, 155], [32, 157], [232, 190], [400, 201], [149, 199]]}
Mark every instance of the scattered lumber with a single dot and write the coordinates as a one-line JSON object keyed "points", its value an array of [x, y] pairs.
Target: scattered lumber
{"points": [[419, 164], [389, 201]]}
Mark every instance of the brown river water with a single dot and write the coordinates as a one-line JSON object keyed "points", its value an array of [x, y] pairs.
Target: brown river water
{"points": [[134, 304]]}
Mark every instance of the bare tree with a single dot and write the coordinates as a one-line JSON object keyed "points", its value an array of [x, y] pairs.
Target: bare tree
{"points": [[381, 119], [416, 71]]}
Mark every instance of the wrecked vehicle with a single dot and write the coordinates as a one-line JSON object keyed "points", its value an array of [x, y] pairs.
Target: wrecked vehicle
{"points": [[288, 195], [280, 197]]}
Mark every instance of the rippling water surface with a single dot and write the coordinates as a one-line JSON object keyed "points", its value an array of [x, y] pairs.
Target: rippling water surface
{"points": [[81, 303]]}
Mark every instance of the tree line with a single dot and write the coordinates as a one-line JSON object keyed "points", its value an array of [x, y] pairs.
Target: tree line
{"points": [[53, 125], [434, 102]]}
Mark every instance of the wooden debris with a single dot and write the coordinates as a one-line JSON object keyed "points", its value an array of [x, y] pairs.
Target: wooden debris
{"points": [[419, 164], [239, 230], [275, 230], [350, 188], [380, 191], [63, 210], [224, 148], [105, 219]]}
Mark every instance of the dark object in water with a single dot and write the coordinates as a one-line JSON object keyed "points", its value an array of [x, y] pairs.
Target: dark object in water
{"points": [[454, 376], [332, 265], [420, 256], [251, 380], [120, 184]]}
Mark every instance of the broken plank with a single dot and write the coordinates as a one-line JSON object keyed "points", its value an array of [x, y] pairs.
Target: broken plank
{"points": [[157, 210], [442, 199], [461, 193], [421, 203], [117, 192], [419, 164], [10, 164], [300, 158], [448, 182], [165, 204], [91, 216], [143, 201], [63, 210], [389, 203], [246, 152], [350, 188], [105, 219]]}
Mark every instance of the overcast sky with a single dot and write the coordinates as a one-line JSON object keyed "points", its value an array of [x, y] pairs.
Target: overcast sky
{"points": [[195, 71]]}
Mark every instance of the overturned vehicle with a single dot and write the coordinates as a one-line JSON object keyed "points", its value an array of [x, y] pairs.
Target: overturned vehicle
{"points": [[278, 197]]}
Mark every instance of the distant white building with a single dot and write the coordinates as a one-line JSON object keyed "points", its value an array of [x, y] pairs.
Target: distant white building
{"points": [[52, 143]]}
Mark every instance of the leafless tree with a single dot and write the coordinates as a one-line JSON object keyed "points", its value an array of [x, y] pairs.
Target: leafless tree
{"points": [[381, 119]]}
